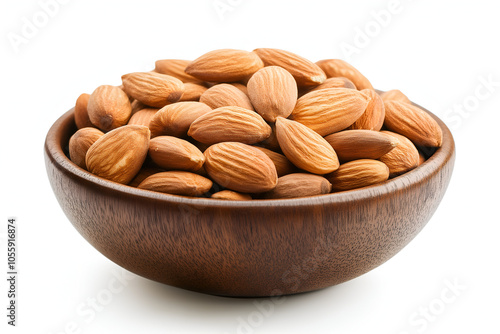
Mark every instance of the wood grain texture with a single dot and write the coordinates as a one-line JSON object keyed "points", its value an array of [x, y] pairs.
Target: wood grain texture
{"points": [[251, 248]]}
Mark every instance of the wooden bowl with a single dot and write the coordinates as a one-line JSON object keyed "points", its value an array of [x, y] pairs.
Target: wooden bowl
{"points": [[251, 248]]}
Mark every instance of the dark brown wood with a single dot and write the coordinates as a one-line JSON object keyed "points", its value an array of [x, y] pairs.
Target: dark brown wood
{"points": [[252, 248]]}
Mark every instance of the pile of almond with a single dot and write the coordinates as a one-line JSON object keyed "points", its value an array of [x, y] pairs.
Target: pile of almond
{"points": [[239, 125]]}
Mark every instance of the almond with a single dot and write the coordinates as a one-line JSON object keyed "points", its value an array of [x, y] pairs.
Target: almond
{"points": [[175, 68], [224, 95], [374, 115], [361, 144], [119, 154], [340, 68], [403, 158], [305, 72], [137, 105], [153, 89], [82, 119], [241, 87], [142, 117], [240, 167], [230, 124], [225, 65], [329, 110], [229, 195], [357, 174], [80, 142], [109, 107], [193, 92], [395, 95], [175, 119], [201, 146], [172, 153], [237, 125], [143, 174], [130, 98], [273, 92], [305, 148], [413, 123], [337, 82], [283, 165], [300, 185], [202, 171], [271, 143], [177, 183], [421, 158]]}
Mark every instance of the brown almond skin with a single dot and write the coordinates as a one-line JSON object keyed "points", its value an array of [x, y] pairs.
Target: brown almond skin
{"points": [[80, 142], [337, 82], [283, 165], [241, 87], [225, 65], [119, 154], [192, 92], [413, 123], [177, 183], [403, 158], [202, 172], [82, 119], [305, 148], [175, 119], [271, 143], [224, 95], [142, 117], [172, 153], [421, 158], [230, 195], [273, 92], [374, 115], [329, 110], [153, 89], [240, 167], [202, 147], [230, 124], [175, 68], [300, 185], [361, 144], [130, 98], [305, 72], [143, 174], [395, 95], [137, 106], [109, 108], [340, 68], [357, 174]]}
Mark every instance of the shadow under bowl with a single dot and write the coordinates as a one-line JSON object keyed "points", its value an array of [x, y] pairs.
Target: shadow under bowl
{"points": [[252, 248]]}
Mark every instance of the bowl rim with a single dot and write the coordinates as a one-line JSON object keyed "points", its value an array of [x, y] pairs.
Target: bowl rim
{"points": [[54, 152]]}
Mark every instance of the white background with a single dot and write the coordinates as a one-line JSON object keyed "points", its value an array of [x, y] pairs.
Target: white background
{"points": [[438, 53]]}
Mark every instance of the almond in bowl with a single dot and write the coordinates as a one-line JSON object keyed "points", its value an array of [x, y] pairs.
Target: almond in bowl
{"points": [[311, 168], [249, 100]]}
